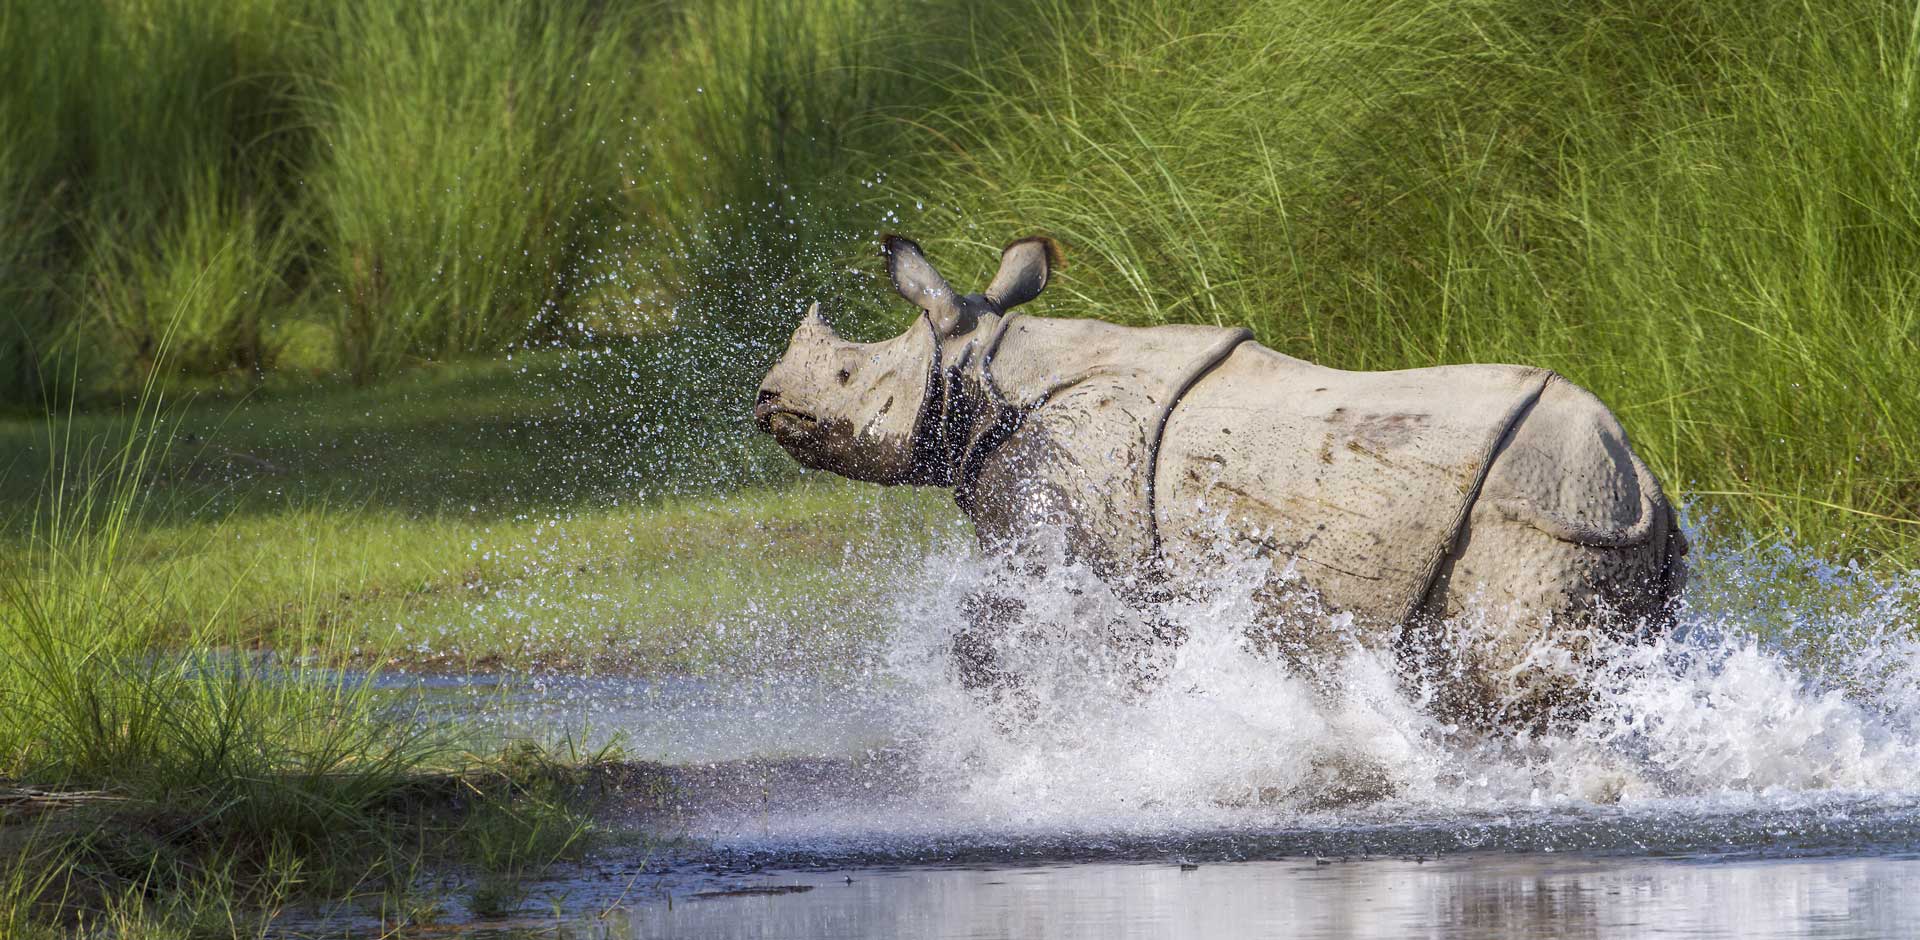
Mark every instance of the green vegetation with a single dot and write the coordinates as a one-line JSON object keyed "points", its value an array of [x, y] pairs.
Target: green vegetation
{"points": [[459, 306], [357, 187], [180, 788], [180, 753], [1704, 210]]}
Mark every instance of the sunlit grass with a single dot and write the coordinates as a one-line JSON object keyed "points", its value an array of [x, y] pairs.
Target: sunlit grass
{"points": [[410, 182], [1709, 224], [118, 715], [158, 780], [162, 776], [465, 520], [465, 153]]}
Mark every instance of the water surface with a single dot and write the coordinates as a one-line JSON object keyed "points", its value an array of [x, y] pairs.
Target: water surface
{"points": [[1754, 773]]}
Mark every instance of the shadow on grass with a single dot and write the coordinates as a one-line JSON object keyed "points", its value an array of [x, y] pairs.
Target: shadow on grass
{"points": [[485, 439]]}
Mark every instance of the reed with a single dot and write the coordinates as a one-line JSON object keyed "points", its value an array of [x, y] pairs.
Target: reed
{"points": [[111, 705], [466, 156]]}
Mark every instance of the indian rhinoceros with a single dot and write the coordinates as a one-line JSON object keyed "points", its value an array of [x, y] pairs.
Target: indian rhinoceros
{"points": [[1410, 500]]}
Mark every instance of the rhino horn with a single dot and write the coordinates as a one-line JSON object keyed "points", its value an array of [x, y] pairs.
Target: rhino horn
{"points": [[1025, 267], [916, 280], [814, 326]]}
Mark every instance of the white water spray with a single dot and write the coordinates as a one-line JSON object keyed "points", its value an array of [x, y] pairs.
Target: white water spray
{"points": [[1784, 681]]}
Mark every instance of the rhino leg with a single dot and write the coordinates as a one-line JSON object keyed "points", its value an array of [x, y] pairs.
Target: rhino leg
{"points": [[994, 619], [1147, 645], [989, 615], [1571, 545]]}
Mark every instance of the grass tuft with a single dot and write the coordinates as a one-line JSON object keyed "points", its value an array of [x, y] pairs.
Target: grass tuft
{"points": [[156, 779]]}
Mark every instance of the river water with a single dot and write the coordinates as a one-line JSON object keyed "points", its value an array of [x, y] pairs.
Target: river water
{"points": [[1486, 896], [1754, 773]]}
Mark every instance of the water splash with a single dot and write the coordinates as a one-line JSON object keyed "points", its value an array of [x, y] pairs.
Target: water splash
{"points": [[1785, 680], [1786, 700]]}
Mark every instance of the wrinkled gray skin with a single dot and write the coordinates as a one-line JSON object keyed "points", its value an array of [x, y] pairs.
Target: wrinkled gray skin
{"points": [[1461, 514]]}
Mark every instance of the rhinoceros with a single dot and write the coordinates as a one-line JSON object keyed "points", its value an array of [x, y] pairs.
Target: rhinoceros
{"points": [[1411, 501]]}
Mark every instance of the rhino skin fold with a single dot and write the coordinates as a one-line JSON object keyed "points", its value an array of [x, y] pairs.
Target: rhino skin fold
{"points": [[1501, 497]]}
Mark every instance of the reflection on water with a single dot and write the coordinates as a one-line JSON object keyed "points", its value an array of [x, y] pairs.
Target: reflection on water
{"points": [[1482, 896], [672, 719]]}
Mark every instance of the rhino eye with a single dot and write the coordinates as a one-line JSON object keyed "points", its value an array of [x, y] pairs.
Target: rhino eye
{"points": [[845, 374]]}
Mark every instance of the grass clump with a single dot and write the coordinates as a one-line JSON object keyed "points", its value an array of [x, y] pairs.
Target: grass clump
{"points": [[158, 780], [467, 154], [219, 266], [146, 141], [184, 754]]}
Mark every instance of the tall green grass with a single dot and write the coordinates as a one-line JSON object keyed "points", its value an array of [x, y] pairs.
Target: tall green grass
{"points": [[146, 141], [213, 265], [1705, 211], [414, 181], [194, 750], [159, 778], [467, 152]]}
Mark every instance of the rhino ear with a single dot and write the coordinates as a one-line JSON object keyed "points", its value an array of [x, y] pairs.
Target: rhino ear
{"points": [[915, 279], [1024, 269]]}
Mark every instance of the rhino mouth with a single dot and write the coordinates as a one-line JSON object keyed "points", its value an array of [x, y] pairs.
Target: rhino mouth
{"points": [[784, 424]]}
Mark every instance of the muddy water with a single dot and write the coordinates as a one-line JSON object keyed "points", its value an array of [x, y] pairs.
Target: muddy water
{"points": [[1754, 773]]}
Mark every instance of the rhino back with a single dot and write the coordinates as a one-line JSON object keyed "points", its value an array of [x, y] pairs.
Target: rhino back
{"points": [[1360, 479], [1038, 358]]}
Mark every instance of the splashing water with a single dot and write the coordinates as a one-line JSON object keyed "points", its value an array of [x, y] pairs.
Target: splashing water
{"points": [[1732, 707], [1785, 701]]}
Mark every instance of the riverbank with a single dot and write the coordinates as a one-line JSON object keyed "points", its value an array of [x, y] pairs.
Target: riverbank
{"points": [[199, 600]]}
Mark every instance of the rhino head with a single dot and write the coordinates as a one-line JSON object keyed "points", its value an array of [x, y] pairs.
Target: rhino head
{"points": [[867, 410]]}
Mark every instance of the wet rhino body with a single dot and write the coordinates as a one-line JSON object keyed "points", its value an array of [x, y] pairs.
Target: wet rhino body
{"points": [[1413, 500]]}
